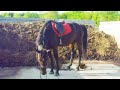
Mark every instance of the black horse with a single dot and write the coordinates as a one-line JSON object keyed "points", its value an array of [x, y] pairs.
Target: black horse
{"points": [[47, 40]]}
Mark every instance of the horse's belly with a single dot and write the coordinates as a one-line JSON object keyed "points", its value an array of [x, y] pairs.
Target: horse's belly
{"points": [[66, 40]]}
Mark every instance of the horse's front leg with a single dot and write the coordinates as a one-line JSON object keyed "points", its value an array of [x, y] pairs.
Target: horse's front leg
{"points": [[55, 51], [52, 64]]}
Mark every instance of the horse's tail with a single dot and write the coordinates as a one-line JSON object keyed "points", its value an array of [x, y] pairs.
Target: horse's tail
{"points": [[85, 41]]}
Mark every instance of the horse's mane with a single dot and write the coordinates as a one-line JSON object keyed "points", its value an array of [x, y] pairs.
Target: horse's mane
{"points": [[42, 29], [40, 33]]}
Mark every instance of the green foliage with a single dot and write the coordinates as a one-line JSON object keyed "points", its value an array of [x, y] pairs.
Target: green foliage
{"points": [[5, 15], [1, 16], [21, 15], [16, 15], [34, 15], [50, 15], [96, 16], [27, 15], [11, 14], [63, 16], [30, 15]]}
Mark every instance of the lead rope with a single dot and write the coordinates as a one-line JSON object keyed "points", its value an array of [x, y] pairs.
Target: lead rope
{"points": [[40, 75]]}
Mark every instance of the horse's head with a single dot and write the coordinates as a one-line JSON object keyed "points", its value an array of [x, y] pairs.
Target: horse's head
{"points": [[42, 59], [42, 43]]}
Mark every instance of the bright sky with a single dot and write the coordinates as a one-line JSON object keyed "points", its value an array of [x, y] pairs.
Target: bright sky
{"points": [[27, 11]]}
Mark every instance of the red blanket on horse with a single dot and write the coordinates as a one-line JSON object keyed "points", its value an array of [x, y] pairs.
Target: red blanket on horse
{"points": [[67, 29]]}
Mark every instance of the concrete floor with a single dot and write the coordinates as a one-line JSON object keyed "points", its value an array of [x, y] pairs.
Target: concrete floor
{"points": [[99, 71]]}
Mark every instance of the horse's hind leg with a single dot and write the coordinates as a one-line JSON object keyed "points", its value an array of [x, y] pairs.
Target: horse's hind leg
{"points": [[80, 50], [72, 56], [52, 64]]}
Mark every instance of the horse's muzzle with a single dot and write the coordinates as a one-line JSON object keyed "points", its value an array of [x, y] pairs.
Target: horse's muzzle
{"points": [[43, 70]]}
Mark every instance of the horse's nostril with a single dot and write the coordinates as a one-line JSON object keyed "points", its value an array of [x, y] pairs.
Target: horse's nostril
{"points": [[43, 73]]}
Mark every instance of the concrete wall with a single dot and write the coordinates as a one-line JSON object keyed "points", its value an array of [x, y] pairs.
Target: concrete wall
{"points": [[85, 22], [112, 28]]}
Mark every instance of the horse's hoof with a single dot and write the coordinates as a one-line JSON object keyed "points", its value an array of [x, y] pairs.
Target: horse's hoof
{"points": [[77, 68], [51, 72], [56, 74], [68, 67]]}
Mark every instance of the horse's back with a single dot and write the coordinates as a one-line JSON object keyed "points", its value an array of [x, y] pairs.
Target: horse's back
{"points": [[73, 36]]}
